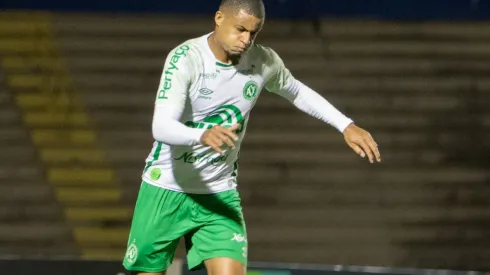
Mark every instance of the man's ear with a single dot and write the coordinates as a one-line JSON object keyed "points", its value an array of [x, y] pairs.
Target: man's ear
{"points": [[218, 18]]}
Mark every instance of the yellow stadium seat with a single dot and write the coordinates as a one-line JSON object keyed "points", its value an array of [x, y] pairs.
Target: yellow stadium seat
{"points": [[108, 254], [60, 155], [56, 119], [17, 63], [100, 236], [98, 213], [27, 80], [42, 137], [26, 45], [82, 194], [77, 175]]}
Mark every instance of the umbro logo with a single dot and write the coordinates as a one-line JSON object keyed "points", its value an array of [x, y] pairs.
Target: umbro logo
{"points": [[205, 93]]}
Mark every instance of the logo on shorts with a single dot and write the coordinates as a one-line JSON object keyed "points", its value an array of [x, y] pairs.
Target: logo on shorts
{"points": [[132, 253], [239, 238], [250, 90], [244, 252]]}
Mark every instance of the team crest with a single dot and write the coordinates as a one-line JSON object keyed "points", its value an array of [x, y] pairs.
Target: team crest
{"points": [[250, 90], [132, 253]]}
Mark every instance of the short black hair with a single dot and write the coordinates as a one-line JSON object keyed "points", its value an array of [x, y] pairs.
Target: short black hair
{"points": [[252, 7]]}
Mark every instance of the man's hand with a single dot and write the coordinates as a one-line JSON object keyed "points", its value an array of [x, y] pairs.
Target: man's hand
{"points": [[218, 136], [361, 142]]}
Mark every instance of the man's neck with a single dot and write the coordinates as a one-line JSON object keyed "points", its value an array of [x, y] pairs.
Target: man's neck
{"points": [[218, 52]]}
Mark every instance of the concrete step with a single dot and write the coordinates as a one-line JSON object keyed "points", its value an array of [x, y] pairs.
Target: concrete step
{"points": [[97, 82], [403, 48], [339, 235], [30, 211], [341, 157], [357, 216], [137, 121], [20, 173], [29, 250], [92, 236], [99, 213], [40, 232], [355, 195], [400, 175], [28, 193], [9, 117], [13, 136], [389, 67], [455, 257], [18, 154], [365, 29]]}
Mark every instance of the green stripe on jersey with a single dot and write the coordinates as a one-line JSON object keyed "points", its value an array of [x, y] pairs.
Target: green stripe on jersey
{"points": [[223, 64], [156, 155]]}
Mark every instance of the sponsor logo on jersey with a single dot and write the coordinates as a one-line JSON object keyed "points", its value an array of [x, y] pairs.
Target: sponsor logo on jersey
{"points": [[250, 90], [205, 93], [189, 157], [209, 75], [170, 70], [155, 174], [226, 116]]}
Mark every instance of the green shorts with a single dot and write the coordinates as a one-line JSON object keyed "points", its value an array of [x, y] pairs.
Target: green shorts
{"points": [[212, 226]]}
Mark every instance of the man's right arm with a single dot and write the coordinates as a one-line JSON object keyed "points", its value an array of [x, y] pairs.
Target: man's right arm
{"points": [[177, 76]]}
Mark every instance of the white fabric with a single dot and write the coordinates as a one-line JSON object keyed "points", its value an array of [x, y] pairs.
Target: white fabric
{"points": [[197, 92]]}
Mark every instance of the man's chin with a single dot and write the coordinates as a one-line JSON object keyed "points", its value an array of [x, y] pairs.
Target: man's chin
{"points": [[235, 56]]}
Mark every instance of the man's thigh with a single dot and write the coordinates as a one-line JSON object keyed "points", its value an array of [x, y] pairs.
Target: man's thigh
{"points": [[221, 232], [161, 217]]}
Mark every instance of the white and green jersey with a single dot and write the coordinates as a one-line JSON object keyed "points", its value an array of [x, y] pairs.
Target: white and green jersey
{"points": [[197, 92]]}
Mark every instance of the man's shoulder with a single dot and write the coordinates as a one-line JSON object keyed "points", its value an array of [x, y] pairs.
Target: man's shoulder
{"points": [[263, 53], [190, 47]]}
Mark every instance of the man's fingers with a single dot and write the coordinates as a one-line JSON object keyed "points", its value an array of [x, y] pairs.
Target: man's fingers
{"points": [[229, 132], [213, 144], [367, 150], [235, 127], [374, 148], [358, 150], [226, 140]]}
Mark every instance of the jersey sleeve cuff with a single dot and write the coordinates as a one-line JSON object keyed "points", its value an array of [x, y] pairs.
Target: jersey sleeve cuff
{"points": [[343, 123]]}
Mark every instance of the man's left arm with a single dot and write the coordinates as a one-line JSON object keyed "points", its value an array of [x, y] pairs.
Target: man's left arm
{"points": [[282, 82]]}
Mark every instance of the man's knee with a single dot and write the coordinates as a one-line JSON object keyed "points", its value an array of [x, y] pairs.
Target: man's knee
{"points": [[146, 273], [225, 266]]}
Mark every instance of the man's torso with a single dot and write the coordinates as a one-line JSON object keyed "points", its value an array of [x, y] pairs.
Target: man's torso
{"points": [[219, 94]]}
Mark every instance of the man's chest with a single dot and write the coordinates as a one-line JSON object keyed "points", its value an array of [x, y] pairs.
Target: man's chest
{"points": [[216, 86]]}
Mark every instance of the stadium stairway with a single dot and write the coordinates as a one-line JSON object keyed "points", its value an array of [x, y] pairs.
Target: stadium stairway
{"points": [[75, 183], [307, 197], [32, 223]]}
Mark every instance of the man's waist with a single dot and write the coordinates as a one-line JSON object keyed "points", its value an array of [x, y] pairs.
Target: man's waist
{"points": [[195, 187]]}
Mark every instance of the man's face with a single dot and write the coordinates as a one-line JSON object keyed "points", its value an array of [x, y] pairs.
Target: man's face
{"points": [[236, 32]]}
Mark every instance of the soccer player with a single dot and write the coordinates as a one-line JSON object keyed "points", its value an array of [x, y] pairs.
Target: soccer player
{"points": [[208, 87]]}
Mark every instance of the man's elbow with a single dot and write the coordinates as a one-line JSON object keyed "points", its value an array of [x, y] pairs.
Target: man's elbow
{"points": [[158, 132]]}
